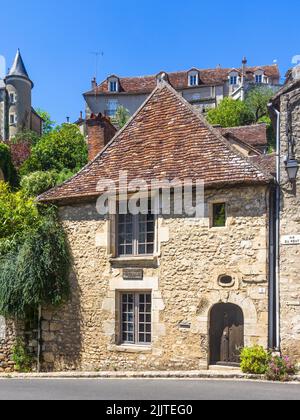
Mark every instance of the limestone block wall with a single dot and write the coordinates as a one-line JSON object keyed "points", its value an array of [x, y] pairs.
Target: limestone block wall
{"points": [[290, 225], [182, 276]]}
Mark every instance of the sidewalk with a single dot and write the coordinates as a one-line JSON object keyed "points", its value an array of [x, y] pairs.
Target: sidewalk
{"points": [[205, 374]]}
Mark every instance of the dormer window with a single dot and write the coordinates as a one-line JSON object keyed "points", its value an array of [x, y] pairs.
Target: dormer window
{"points": [[234, 78], [193, 78], [258, 78], [113, 85]]}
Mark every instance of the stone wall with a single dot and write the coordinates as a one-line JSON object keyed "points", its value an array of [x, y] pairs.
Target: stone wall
{"points": [[183, 277], [290, 225]]}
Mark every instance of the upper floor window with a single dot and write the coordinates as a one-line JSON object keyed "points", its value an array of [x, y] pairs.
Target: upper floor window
{"points": [[193, 79], [112, 107], [113, 84], [259, 78], [12, 119], [135, 234], [12, 98], [233, 80]]}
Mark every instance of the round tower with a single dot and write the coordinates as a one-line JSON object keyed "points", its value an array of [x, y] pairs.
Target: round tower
{"points": [[18, 87]]}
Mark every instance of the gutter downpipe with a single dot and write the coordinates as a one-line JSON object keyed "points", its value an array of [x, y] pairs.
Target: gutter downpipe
{"points": [[278, 181], [274, 328]]}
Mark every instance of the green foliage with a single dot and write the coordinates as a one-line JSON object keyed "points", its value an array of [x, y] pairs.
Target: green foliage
{"points": [[254, 360], [36, 183], [26, 136], [48, 124], [230, 113], [35, 270], [6, 164], [280, 369], [23, 360], [63, 176], [122, 116], [17, 214], [257, 100], [64, 148]]}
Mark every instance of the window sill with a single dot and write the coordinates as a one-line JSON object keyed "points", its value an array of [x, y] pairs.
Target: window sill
{"points": [[134, 258], [130, 348]]}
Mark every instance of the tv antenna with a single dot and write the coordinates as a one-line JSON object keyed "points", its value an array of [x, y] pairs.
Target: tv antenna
{"points": [[97, 55]]}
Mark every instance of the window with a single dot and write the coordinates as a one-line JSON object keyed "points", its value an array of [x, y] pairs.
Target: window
{"points": [[112, 106], [193, 80], [113, 86], [12, 98], [219, 215], [136, 234], [12, 119], [259, 78], [226, 281], [233, 80], [136, 318]]}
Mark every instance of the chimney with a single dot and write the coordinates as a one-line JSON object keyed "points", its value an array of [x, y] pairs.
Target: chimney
{"points": [[99, 133], [94, 83]]}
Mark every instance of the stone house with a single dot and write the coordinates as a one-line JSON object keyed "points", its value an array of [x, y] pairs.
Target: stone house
{"points": [[162, 291], [203, 88], [287, 118]]}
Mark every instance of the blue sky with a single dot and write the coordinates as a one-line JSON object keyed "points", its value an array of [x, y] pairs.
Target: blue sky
{"points": [[57, 39]]}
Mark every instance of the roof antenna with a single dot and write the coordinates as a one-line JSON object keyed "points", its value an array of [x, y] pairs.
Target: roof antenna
{"points": [[97, 54]]}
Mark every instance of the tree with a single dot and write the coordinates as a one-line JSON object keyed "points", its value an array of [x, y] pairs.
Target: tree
{"points": [[122, 116], [64, 148], [36, 183], [257, 100], [230, 113], [48, 124]]}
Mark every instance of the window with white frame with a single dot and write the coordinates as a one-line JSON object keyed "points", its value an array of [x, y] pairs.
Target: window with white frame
{"points": [[113, 86], [136, 318], [233, 79], [136, 234], [259, 78], [12, 119], [112, 107], [193, 78]]}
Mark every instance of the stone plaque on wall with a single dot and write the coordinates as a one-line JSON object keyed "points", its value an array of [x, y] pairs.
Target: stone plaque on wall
{"points": [[2, 328], [133, 274]]}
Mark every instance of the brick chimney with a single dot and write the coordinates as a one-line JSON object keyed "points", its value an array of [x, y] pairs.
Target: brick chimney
{"points": [[100, 131]]}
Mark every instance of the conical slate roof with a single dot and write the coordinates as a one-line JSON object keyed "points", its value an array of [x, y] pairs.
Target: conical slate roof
{"points": [[166, 139], [18, 67]]}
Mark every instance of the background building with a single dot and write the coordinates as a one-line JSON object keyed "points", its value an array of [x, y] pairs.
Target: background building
{"points": [[202, 88], [16, 112]]}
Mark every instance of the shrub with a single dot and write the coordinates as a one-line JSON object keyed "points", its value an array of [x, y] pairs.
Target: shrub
{"points": [[62, 148], [254, 360], [280, 369], [23, 360], [230, 113], [36, 183]]}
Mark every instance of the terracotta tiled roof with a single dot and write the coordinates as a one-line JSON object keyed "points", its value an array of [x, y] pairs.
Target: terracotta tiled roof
{"points": [[254, 135], [265, 162], [179, 80], [166, 139]]}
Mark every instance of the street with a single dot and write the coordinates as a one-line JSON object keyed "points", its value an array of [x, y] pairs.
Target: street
{"points": [[144, 389]]}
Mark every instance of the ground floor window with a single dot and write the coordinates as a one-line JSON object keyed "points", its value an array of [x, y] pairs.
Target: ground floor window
{"points": [[136, 318]]}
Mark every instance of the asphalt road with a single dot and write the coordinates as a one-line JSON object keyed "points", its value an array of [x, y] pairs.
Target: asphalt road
{"points": [[139, 389]]}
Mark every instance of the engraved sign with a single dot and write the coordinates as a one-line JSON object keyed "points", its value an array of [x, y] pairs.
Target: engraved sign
{"points": [[290, 240], [2, 328], [133, 274]]}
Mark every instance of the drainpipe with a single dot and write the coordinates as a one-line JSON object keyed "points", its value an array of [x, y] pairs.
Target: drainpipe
{"points": [[276, 283]]}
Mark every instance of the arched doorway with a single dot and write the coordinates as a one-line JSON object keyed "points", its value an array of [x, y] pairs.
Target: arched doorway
{"points": [[226, 334]]}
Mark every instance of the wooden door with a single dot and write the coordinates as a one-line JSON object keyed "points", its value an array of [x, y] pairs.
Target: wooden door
{"points": [[226, 334]]}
